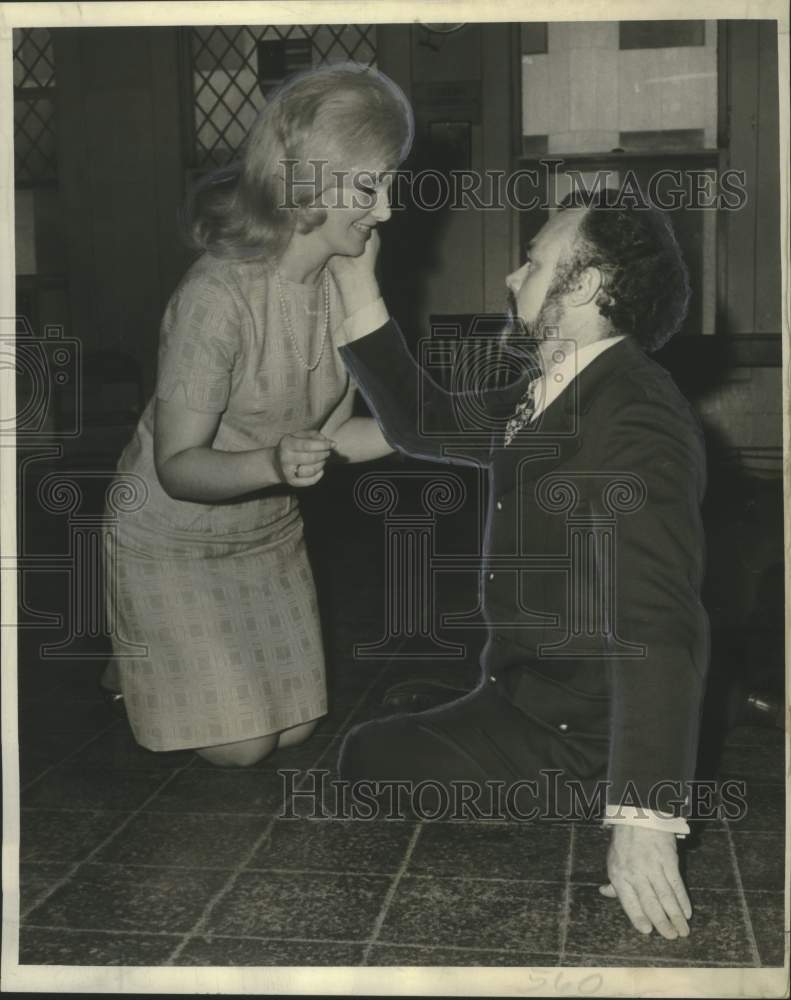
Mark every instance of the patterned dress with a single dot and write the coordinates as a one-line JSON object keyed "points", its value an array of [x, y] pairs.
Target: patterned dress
{"points": [[222, 594]]}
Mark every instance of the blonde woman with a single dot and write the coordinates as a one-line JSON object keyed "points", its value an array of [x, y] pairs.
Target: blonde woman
{"points": [[251, 401]]}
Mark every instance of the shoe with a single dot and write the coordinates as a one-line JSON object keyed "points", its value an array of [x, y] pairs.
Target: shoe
{"points": [[113, 699], [762, 708], [417, 695]]}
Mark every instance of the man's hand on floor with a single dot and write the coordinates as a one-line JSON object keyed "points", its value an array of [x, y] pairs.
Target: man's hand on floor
{"points": [[642, 866]]}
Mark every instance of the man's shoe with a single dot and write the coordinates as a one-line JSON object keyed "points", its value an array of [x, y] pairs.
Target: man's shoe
{"points": [[416, 695], [762, 708], [113, 699]]}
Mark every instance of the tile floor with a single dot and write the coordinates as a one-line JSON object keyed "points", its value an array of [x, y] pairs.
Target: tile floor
{"points": [[135, 858]]}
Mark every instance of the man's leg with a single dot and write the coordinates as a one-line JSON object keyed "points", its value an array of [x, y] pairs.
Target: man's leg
{"points": [[477, 740], [480, 738]]}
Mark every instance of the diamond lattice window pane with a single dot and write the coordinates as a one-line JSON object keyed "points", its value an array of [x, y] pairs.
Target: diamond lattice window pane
{"points": [[226, 82], [34, 63], [34, 107]]}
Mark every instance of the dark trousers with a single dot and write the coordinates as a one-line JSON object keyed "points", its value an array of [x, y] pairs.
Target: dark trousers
{"points": [[480, 738]]}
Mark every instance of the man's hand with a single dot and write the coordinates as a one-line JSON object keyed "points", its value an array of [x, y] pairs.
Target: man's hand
{"points": [[643, 869], [355, 275]]}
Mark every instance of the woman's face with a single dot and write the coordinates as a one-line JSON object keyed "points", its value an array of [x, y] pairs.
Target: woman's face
{"points": [[356, 201]]}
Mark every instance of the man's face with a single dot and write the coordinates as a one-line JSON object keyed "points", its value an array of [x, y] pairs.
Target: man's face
{"points": [[530, 284]]}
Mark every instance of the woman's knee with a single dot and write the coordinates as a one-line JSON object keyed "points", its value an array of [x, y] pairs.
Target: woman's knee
{"points": [[245, 753], [297, 734]]}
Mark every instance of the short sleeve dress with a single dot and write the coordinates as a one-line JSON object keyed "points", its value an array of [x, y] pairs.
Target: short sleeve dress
{"points": [[221, 596]]}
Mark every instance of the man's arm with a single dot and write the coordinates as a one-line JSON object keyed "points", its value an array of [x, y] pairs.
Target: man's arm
{"points": [[659, 547], [416, 414], [656, 698], [359, 439]]}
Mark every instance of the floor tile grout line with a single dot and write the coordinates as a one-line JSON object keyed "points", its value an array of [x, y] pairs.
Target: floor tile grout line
{"points": [[747, 918], [131, 931], [527, 951], [539, 951], [390, 894], [130, 816], [565, 915], [195, 762], [242, 865], [110, 836], [416, 875], [377, 873], [266, 812], [682, 963], [64, 760], [223, 891], [332, 738], [261, 814], [44, 895], [420, 945]]}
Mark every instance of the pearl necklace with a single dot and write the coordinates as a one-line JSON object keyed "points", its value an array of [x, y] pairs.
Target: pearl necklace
{"points": [[287, 321]]}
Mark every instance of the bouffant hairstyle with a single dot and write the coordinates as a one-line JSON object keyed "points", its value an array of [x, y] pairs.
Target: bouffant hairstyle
{"points": [[327, 120], [645, 283]]}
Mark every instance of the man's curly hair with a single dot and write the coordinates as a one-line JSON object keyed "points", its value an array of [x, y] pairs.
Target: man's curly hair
{"points": [[645, 283]]}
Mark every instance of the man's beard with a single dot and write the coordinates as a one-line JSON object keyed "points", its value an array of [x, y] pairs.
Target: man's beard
{"points": [[526, 336], [546, 324], [548, 318]]}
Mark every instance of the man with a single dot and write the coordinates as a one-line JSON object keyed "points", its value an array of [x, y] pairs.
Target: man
{"points": [[602, 439]]}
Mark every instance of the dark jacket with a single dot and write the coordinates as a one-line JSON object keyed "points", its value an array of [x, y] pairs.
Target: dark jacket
{"points": [[593, 556]]}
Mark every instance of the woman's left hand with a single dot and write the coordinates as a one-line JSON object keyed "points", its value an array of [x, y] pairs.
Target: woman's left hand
{"points": [[300, 457]]}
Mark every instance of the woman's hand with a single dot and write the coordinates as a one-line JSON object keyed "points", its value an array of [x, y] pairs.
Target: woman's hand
{"points": [[300, 457], [356, 277]]}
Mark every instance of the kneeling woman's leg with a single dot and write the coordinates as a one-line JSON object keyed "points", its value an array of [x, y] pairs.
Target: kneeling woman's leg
{"points": [[245, 753], [297, 734]]}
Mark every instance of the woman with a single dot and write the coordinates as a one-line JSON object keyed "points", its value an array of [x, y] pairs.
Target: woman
{"points": [[251, 401]]}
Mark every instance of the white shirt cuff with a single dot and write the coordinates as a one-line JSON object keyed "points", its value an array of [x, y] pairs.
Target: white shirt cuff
{"points": [[364, 321], [649, 819]]}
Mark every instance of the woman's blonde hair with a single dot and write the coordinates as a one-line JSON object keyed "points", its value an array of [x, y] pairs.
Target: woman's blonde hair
{"points": [[336, 116]]}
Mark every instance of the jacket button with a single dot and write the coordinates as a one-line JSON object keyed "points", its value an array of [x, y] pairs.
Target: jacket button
{"points": [[499, 505], [492, 679], [563, 727], [491, 576]]}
